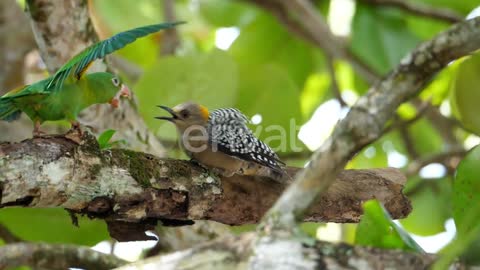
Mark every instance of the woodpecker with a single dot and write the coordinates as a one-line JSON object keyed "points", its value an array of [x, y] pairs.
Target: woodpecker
{"points": [[221, 141]]}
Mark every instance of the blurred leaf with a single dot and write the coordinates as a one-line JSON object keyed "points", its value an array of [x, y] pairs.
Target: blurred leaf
{"points": [[425, 28], [265, 41], [425, 137], [462, 6], [227, 13], [268, 91], [120, 15], [439, 89], [466, 189], [380, 37], [111, 17], [310, 228], [377, 229], [209, 79], [53, 226], [431, 203], [466, 212], [465, 95], [237, 230], [314, 93], [372, 156]]}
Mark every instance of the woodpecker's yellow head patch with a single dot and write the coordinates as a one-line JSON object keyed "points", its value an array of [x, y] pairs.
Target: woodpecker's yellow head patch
{"points": [[204, 112]]}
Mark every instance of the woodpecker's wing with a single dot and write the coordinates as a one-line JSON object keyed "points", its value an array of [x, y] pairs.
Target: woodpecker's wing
{"points": [[229, 133], [77, 66]]}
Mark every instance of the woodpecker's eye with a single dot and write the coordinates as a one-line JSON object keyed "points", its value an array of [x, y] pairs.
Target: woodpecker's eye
{"points": [[115, 81], [184, 114]]}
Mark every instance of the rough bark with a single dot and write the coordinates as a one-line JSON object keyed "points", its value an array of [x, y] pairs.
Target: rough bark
{"points": [[139, 189], [234, 253], [55, 256], [63, 29]]}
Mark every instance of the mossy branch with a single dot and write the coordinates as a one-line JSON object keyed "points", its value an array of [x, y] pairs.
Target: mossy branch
{"points": [[132, 191]]}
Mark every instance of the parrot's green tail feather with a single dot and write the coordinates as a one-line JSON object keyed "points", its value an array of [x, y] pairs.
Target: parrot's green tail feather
{"points": [[8, 111]]}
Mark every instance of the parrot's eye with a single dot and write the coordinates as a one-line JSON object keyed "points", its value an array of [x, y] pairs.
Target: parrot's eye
{"points": [[184, 113], [115, 81]]}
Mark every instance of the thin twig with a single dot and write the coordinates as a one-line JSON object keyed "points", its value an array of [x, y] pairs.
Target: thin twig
{"points": [[421, 109], [334, 83], [419, 9], [170, 40], [408, 142], [7, 236], [448, 159]]}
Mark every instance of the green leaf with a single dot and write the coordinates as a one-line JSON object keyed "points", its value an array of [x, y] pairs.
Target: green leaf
{"points": [[372, 156], [466, 212], [259, 94], [466, 189], [315, 91], [431, 203], [104, 138], [265, 41], [439, 89], [426, 139], [53, 226], [462, 6], [377, 229], [227, 13], [465, 94], [209, 79], [115, 16], [380, 37], [425, 28]]}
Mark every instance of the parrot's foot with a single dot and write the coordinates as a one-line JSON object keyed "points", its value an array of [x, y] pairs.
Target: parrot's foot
{"points": [[36, 130], [38, 134], [75, 133], [76, 128]]}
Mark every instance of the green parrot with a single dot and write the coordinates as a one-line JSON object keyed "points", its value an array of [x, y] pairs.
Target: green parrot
{"points": [[69, 91]]}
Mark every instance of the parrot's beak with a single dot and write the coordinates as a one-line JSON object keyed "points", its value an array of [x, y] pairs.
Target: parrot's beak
{"points": [[172, 112], [125, 92]]}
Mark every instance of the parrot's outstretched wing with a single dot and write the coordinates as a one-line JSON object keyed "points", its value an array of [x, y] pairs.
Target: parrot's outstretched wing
{"points": [[80, 63]]}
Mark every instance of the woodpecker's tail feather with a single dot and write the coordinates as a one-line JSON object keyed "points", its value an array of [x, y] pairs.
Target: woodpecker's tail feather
{"points": [[8, 111]]}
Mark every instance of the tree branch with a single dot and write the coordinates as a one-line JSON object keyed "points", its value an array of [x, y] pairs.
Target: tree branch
{"points": [[63, 29], [419, 9], [334, 83], [170, 39], [234, 253], [449, 159], [55, 256], [137, 188], [366, 120]]}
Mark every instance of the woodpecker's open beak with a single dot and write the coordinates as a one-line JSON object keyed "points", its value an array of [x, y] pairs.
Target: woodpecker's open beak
{"points": [[171, 119], [125, 92]]}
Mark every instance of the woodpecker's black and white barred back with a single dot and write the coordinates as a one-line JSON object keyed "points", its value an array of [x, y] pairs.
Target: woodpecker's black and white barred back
{"points": [[228, 133]]}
